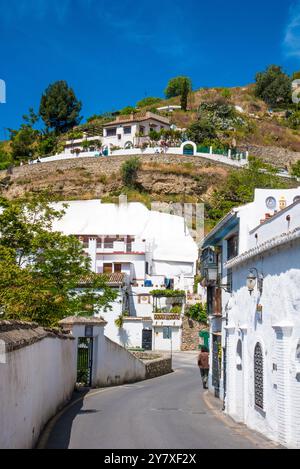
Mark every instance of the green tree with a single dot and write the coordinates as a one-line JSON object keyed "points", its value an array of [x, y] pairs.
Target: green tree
{"points": [[40, 270], [23, 142], [148, 101], [175, 86], [273, 86], [185, 90], [201, 130], [59, 107], [129, 171]]}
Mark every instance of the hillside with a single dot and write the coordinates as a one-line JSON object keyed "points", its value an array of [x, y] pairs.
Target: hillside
{"points": [[160, 178], [267, 135]]}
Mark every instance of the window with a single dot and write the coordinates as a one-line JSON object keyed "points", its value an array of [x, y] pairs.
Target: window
{"points": [[167, 332], [127, 130], [147, 268], [298, 352], [119, 136], [142, 130], [258, 377], [118, 268], [111, 132], [232, 247], [107, 268]]}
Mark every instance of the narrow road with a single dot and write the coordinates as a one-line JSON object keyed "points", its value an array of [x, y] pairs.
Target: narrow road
{"points": [[164, 413]]}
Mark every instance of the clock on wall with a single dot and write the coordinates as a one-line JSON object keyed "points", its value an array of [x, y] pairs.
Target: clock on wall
{"points": [[271, 203]]}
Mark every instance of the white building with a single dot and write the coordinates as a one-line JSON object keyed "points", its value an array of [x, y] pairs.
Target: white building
{"points": [[145, 250], [133, 130], [255, 339]]}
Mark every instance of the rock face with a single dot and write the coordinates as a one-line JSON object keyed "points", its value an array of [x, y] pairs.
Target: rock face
{"points": [[190, 334], [88, 178], [273, 155]]}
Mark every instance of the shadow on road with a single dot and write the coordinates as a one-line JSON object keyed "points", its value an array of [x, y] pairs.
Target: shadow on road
{"points": [[60, 435]]}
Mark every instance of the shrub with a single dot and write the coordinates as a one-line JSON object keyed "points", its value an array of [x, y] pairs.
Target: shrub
{"points": [[129, 172], [198, 313]]}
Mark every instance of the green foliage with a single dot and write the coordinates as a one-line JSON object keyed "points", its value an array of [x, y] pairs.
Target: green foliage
{"points": [[128, 110], [175, 86], [47, 145], [226, 93], [129, 171], [5, 158], [296, 169], [198, 313], [273, 86], [148, 101], [296, 76], [59, 107], [168, 293], [294, 120], [201, 130], [176, 309], [239, 188], [23, 142], [185, 90], [120, 321], [40, 270]]}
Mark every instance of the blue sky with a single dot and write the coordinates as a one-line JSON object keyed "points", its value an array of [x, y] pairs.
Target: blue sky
{"points": [[115, 52]]}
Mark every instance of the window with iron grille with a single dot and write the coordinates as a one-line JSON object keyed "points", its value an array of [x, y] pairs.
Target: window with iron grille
{"points": [[127, 130], [232, 247], [111, 132], [229, 280], [258, 377]]}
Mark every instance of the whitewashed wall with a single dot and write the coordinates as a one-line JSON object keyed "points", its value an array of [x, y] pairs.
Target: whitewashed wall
{"points": [[34, 383], [278, 331]]}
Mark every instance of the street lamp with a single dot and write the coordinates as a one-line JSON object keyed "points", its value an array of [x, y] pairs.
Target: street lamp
{"points": [[255, 278]]}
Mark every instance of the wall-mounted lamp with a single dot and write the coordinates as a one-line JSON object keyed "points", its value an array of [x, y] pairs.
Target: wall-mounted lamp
{"points": [[255, 278]]}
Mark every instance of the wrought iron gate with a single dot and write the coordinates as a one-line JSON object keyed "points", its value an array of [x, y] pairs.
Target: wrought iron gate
{"points": [[85, 361], [216, 365], [259, 377]]}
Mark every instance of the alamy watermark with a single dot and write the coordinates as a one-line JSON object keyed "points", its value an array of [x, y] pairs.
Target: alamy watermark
{"points": [[296, 91], [2, 92]]}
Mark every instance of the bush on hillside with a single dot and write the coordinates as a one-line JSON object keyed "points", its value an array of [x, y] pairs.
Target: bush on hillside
{"points": [[129, 172]]}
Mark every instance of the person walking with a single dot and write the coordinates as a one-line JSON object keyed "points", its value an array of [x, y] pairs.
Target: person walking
{"points": [[203, 363]]}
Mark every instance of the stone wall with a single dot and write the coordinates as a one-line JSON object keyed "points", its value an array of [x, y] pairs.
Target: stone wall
{"points": [[274, 155], [190, 334], [159, 367], [156, 364]]}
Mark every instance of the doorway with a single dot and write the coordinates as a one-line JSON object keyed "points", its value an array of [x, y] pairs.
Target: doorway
{"points": [[85, 361], [147, 339]]}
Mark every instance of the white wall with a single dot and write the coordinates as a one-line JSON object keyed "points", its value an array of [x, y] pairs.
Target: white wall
{"points": [[112, 364], [278, 331], [34, 383], [159, 343]]}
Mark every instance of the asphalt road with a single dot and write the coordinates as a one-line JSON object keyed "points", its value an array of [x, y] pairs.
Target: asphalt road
{"points": [[169, 412]]}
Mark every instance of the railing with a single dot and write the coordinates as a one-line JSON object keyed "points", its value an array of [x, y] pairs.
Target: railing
{"points": [[167, 317]]}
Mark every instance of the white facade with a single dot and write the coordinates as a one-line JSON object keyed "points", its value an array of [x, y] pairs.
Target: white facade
{"points": [[263, 393], [134, 131], [152, 250]]}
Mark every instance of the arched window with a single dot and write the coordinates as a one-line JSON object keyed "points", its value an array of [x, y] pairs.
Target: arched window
{"points": [[258, 376], [239, 355], [298, 352]]}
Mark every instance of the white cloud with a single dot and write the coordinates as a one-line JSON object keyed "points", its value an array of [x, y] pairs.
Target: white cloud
{"points": [[292, 35]]}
